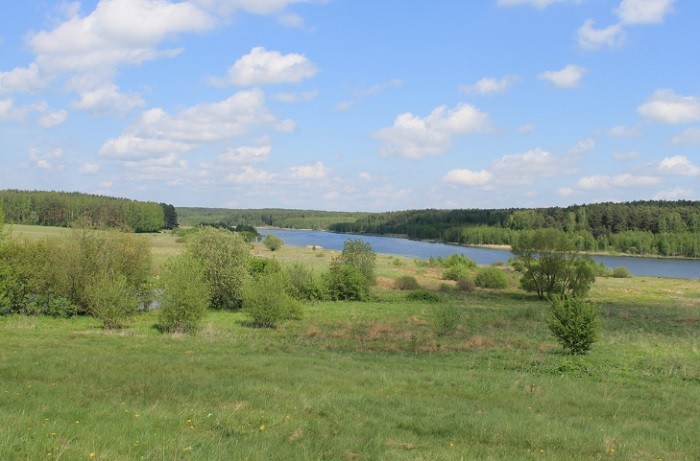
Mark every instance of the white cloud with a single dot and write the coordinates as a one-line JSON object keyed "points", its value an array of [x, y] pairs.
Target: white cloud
{"points": [[89, 168], [291, 20], [23, 80], [246, 154], [620, 131], [52, 119], [541, 4], [468, 177], [590, 38], [107, 98], [644, 11], [312, 171], [45, 161], [582, 147], [565, 191], [412, 136], [622, 180], [133, 147], [8, 111], [521, 169], [262, 67], [667, 107], [568, 77], [690, 136], [249, 175], [675, 193], [679, 165], [624, 156], [363, 93], [527, 129], [489, 85]]}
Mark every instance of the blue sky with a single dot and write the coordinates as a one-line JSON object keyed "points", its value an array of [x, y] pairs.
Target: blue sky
{"points": [[353, 104]]}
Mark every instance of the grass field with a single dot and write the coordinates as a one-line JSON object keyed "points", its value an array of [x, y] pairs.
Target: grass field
{"points": [[362, 380]]}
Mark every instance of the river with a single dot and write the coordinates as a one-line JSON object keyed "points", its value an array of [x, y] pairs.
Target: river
{"points": [[655, 267]]}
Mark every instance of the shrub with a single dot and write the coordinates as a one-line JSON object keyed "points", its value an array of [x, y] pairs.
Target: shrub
{"points": [[574, 322], [406, 282], [491, 277], [272, 242], [344, 282], [455, 272], [302, 283], [465, 284], [184, 295], [112, 300], [424, 296], [259, 265], [224, 255], [446, 319], [266, 301], [457, 266], [358, 254], [621, 273]]}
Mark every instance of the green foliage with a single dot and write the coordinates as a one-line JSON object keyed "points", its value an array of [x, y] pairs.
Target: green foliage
{"points": [[266, 299], [425, 296], [465, 284], [457, 266], [491, 277], [359, 254], [112, 300], [225, 256], [344, 282], [272, 242], [406, 282], [303, 285], [51, 306], [621, 273], [551, 264], [259, 265], [446, 319], [184, 295], [574, 322]]}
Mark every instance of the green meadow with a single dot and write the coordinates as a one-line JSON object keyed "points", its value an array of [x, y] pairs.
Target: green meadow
{"points": [[361, 380]]}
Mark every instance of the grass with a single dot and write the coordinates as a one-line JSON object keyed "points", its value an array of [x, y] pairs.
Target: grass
{"points": [[362, 380]]}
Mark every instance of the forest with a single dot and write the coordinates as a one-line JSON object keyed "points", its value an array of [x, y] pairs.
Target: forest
{"points": [[66, 209], [664, 228]]}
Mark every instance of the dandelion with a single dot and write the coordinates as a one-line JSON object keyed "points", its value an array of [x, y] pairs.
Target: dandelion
{"points": [[92, 455], [262, 427], [136, 415]]}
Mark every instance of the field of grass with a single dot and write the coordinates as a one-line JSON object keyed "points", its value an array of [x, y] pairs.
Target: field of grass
{"points": [[369, 380]]}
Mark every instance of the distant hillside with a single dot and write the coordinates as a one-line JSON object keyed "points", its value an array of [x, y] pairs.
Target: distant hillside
{"points": [[63, 209], [275, 217]]}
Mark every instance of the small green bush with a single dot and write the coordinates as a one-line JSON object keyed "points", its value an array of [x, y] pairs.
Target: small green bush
{"points": [[455, 272], [184, 297], [303, 285], [465, 284], [574, 322], [491, 277], [621, 273], [446, 319], [266, 301], [345, 282], [424, 296], [112, 300], [272, 242], [406, 282]]}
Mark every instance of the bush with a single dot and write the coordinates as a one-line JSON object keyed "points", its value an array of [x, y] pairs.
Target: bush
{"points": [[574, 322], [184, 295], [302, 283], [465, 284], [457, 266], [455, 272], [272, 242], [112, 300], [424, 296], [446, 319], [358, 254], [266, 301], [406, 282], [344, 282], [621, 273], [491, 277], [258, 266]]}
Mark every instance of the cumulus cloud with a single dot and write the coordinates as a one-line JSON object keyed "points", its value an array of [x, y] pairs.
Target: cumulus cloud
{"points": [[249, 175], [620, 131], [622, 180], [582, 147], [590, 38], [291, 97], [568, 77], [644, 11], [489, 85], [667, 107], [55, 118], [89, 168], [8, 111], [312, 171], [262, 67], [23, 80], [107, 98], [412, 136], [675, 193], [45, 161], [521, 169], [467, 177], [679, 165]]}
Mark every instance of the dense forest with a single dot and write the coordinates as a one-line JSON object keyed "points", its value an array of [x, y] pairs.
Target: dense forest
{"points": [[666, 228], [66, 209]]}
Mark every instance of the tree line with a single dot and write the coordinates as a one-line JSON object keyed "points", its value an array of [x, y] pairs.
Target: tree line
{"points": [[65, 209]]}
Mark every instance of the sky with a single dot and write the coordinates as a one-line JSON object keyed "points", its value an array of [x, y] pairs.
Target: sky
{"points": [[353, 105]]}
